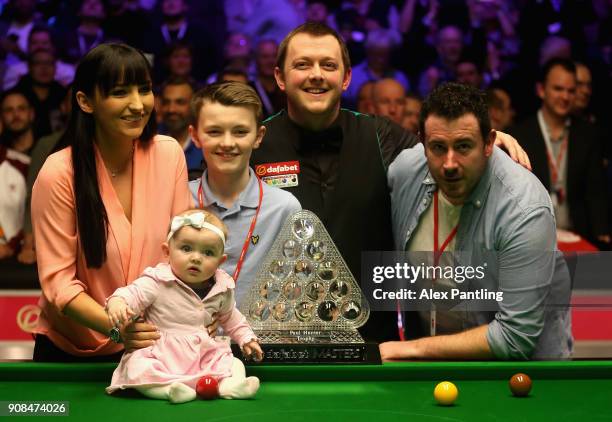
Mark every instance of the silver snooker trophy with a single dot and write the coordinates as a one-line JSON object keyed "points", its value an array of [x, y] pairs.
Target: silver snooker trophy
{"points": [[305, 305]]}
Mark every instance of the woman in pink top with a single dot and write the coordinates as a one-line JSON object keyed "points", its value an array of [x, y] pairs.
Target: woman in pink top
{"points": [[101, 207], [192, 283]]}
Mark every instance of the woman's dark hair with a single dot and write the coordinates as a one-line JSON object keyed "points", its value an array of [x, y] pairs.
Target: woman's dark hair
{"points": [[102, 68]]}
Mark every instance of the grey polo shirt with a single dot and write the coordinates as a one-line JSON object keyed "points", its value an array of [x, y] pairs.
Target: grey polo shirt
{"points": [[276, 206]]}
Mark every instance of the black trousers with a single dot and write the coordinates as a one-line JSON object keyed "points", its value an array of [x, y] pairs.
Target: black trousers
{"points": [[46, 351]]}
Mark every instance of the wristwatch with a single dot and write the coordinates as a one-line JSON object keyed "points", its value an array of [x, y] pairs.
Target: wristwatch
{"points": [[115, 335]]}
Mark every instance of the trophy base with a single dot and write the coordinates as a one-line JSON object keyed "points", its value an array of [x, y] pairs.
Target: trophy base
{"points": [[313, 347]]}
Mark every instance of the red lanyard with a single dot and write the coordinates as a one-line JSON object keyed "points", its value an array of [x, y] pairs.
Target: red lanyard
{"points": [[555, 164], [245, 246], [439, 249], [437, 252]]}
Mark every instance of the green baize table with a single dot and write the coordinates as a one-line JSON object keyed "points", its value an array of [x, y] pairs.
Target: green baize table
{"points": [[402, 391]]}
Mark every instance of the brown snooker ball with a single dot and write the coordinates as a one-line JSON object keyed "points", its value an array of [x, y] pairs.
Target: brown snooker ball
{"points": [[520, 385]]}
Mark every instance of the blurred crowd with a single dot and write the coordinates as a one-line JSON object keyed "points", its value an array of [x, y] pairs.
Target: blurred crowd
{"points": [[521, 52]]}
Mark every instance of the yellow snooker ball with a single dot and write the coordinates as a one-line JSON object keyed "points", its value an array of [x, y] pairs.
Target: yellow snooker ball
{"points": [[446, 393]]}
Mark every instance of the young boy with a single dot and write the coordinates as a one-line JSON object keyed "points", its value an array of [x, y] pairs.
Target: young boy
{"points": [[227, 127]]}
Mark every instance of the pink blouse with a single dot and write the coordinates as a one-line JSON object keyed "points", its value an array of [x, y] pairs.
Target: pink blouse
{"points": [[159, 191]]}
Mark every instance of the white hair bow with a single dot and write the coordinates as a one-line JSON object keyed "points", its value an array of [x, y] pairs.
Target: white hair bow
{"points": [[197, 220]]}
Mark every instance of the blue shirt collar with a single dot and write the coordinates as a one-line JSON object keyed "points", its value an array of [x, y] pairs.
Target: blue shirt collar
{"points": [[249, 197]]}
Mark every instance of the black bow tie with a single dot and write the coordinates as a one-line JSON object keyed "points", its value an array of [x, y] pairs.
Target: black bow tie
{"points": [[328, 140]]}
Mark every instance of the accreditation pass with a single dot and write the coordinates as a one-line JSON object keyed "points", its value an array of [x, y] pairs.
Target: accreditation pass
{"points": [[34, 408]]}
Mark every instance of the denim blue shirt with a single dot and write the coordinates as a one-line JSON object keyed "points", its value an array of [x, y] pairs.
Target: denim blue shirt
{"points": [[508, 213]]}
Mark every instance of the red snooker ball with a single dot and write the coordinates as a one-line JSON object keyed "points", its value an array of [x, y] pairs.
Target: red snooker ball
{"points": [[520, 385], [207, 388]]}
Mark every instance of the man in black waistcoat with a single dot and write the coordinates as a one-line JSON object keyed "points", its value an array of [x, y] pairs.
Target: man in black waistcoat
{"points": [[334, 160]]}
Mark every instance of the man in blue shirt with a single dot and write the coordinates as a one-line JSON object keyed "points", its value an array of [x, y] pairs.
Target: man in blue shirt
{"points": [[458, 186]]}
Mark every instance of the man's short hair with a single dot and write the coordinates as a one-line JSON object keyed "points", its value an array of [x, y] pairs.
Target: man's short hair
{"points": [[265, 41], [365, 85], [231, 71], [447, 27], [13, 91], [566, 64], [176, 46], [316, 30], [467, 57], [37, 28], [235, 94], [410, 95], [175, 80], [453, 100], [581, 64], [40, 27], [493, 99]]}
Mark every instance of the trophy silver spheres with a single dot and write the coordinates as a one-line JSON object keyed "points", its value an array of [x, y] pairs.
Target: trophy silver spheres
{"points": [[305, 305]]}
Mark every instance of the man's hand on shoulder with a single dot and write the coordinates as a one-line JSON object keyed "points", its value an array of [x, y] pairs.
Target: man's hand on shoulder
{"points": [[512, 147]]}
